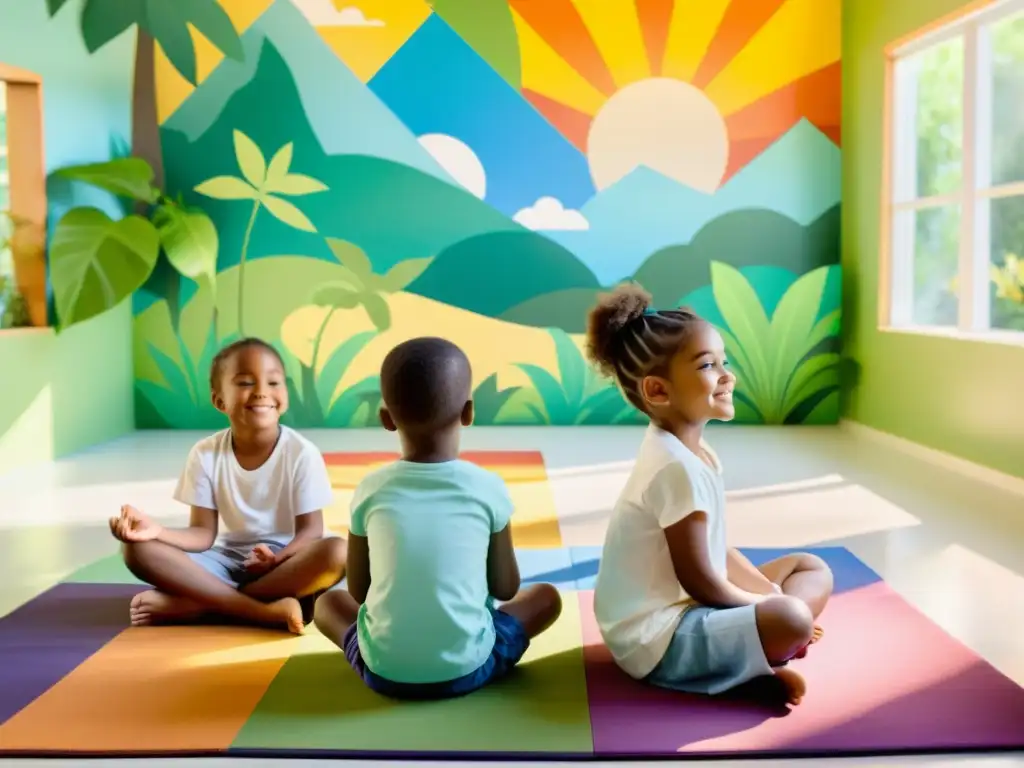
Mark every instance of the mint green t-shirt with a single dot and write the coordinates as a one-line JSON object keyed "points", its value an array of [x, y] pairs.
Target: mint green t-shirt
{"points": [[428, 527]]}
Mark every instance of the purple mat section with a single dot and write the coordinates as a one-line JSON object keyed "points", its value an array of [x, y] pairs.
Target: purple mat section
{"points": [[45, 639], [883, 679]]}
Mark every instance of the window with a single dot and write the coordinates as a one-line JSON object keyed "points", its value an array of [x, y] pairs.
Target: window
{"points": [[954, 200]]}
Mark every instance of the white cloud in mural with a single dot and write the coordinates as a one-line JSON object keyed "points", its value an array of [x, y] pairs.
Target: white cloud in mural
{"points": [[323, 13], [458, 160], [549, 213]]}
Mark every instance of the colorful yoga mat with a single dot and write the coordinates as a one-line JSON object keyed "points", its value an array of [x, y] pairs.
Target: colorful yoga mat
{"points": [[75, 679]]}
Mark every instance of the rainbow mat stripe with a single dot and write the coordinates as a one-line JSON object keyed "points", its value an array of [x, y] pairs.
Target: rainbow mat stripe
{"points": [[75, 679]]}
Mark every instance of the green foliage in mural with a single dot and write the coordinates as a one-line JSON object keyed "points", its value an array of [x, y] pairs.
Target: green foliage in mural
{"points": [[774, 339], [312, 392], [264, 185], [488, 28], [96, 262], [362, 287]]}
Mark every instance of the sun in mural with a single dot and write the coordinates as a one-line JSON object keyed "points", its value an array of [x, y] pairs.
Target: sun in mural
{"points": [[692, 89]]}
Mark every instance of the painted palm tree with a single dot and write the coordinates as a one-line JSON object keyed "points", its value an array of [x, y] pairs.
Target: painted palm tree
{"points": [[158, 21]]}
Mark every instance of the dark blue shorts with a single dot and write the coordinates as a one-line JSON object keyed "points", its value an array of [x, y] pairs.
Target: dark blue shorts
{"points": [[510, 643]]}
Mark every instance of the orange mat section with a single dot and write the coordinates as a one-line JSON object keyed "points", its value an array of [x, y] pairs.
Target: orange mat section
{"points": [[175, 688], [534, 522]]}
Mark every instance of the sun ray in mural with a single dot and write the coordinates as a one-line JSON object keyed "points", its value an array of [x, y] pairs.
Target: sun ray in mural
{"points": [[171, 88], [809, 32], [742, 20], [654, 17], [615, 29], [386, 25], [816, 97], [692, 29], [571, 124], [558, 23], [547, 73]]}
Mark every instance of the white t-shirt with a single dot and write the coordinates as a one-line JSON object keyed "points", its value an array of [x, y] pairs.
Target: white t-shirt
{"points": [[638, 600], [261, 503]]}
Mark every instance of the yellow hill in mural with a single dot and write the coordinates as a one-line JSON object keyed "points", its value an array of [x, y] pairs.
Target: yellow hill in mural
{"points": [[494, 346]]}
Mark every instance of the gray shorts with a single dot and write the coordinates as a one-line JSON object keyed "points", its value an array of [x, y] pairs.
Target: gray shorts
{"points": [[226, 561], [712, 651]]}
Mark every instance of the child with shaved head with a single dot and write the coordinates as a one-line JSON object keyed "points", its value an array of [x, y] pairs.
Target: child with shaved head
{"points": [[430, 548]]}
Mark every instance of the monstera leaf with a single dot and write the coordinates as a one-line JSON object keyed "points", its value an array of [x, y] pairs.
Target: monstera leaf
{"points": [[190, 241], [96, 262]]}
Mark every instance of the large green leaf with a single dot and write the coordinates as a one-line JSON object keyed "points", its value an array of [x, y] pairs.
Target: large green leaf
{"points": [[404, 273], [826, 411], [166, 22], [285, 212], [214, 23], [551, 394], [333, 370], [488, 400], [352, 257], [350, 409], [791, 327], [742, 311], [190, 240], [377, 308], [96, 263], [130, 177], [103, 20], [572, 368], [810, 377]]}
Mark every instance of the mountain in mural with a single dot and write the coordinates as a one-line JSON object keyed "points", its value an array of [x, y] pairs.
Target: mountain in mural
{"points": [[798, 177], [346, 117], [436, 83], [392, 210]]}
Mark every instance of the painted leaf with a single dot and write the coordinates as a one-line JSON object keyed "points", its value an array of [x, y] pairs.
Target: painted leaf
{"points": [[740, 363], [338, 295], [153, 328], [288, 213], [352, 257], [130, 177], [404, 273], [746, 413], [377, 308], [791, 326], [488, 400], [194, 330], [278, 168], [190, 240], [810, 377], [742, 311], [169, 27], [572, 368], [488, 28], [826, 411], [96, 263], [227, 188], [824, 328], [345, 407], [250, 160], [103, 20], [213, 22], [332, 372], [296, 184], [551, 394], [602, 407], [53, 6]]}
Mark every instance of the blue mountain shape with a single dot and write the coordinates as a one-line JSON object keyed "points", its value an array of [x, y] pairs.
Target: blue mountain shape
{"points": [[798, 176], [436, 83], [347, 118]]}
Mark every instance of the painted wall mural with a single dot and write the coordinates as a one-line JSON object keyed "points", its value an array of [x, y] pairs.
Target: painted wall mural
{"points": [[481, 169]]}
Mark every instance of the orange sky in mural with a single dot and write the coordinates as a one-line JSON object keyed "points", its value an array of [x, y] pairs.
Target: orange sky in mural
{"points": [[764, 64]]}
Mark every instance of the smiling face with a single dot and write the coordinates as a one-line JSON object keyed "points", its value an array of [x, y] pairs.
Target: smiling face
{"points": [[698, 385], [251, 389]]}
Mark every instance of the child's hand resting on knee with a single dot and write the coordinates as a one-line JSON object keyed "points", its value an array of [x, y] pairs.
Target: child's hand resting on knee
{"points": [[133, 526], [261, 560]]}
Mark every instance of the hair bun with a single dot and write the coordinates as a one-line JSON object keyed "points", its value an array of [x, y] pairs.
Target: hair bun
{"points": [[613, 311]]}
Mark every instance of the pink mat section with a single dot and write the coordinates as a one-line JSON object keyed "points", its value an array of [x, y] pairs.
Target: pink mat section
{"points": [[884, 678]]}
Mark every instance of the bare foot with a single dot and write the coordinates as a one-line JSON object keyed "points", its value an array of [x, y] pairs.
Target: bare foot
{"points": [[288, 612], [155, 607], [793, 683], [816, 634]]}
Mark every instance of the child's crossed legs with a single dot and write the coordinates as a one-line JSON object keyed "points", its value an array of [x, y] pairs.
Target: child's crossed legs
{"points": [[191, 586]]}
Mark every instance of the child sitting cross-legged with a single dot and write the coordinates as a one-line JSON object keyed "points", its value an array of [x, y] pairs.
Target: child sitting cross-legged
{"points": [[430, 548], [262, 487]]}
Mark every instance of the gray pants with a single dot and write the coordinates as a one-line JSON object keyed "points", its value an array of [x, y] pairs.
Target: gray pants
{"points": [[226, 561]]}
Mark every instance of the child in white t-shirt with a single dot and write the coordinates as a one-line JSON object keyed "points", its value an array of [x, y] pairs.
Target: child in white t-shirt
{"points": [[676, 606], [262, 487]]}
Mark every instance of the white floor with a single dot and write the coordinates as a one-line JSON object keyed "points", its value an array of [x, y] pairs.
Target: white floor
{"points": [[952, 546]]}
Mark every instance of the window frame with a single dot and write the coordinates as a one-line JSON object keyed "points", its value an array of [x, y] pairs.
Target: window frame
{"points": [[975, 193]]}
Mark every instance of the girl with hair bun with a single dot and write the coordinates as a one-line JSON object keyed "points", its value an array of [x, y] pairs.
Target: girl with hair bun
{"points": [[676, 606]]}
